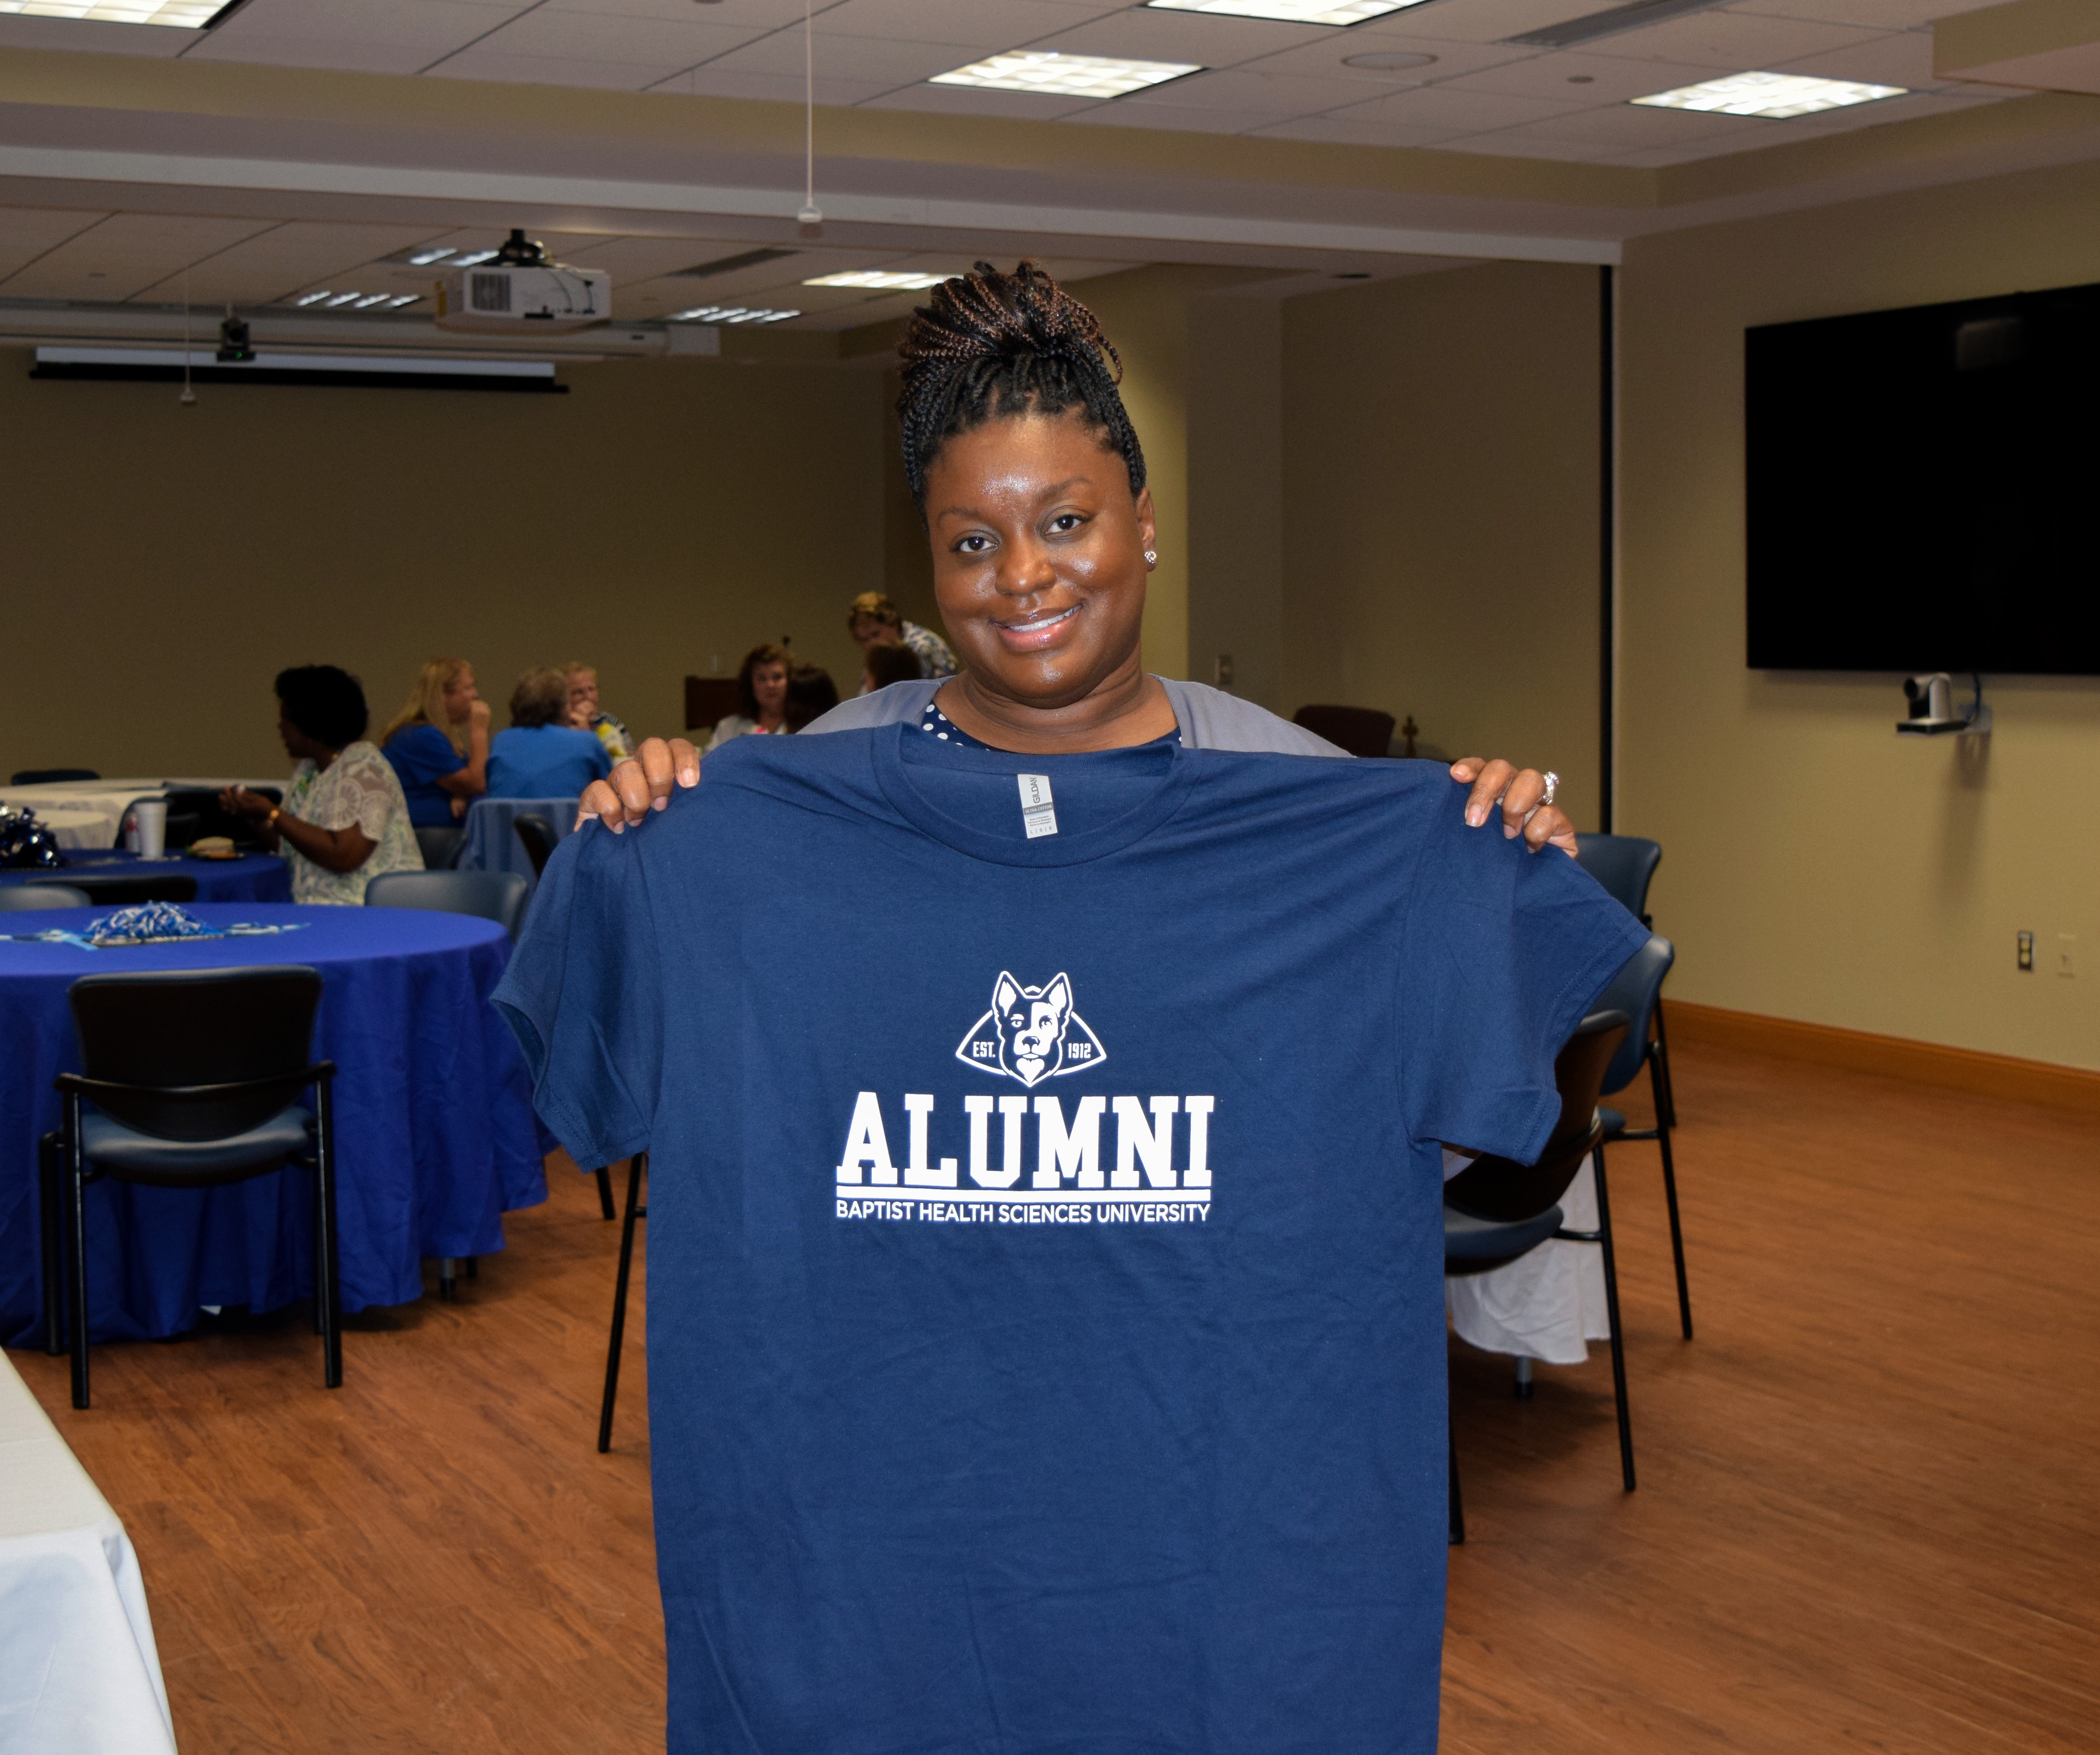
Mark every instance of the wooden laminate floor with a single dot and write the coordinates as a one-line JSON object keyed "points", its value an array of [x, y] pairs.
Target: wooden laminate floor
{"points": [[1867, 1516]]}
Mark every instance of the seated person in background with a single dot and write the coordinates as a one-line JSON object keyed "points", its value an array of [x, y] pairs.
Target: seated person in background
{"points": [[437, 744], [889, 664], [811, 694], [586, 715], [344, 821], [873, 621], [542, 756], [762, 696]]}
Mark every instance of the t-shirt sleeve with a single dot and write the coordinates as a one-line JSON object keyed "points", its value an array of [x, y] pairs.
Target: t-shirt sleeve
{"points": [[581, 997], [1506, 950], [421, 754]]}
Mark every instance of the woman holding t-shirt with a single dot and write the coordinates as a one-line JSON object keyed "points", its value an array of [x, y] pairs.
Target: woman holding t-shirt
{"points": [[1040, 557]]}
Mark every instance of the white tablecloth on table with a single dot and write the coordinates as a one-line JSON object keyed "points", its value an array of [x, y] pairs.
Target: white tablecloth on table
{"points": [[79, 1671], [492, 842], [1546, 1305], [85, 813]]}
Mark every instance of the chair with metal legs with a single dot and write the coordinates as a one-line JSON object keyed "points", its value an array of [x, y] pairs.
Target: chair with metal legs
{"points": [[195, 1077], [1497, 1211], [1624, 867], [1637, 991], [637, 1167]]}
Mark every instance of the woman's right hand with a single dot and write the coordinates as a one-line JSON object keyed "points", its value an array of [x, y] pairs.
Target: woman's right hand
{"points": [[640, 785], [477, 715]]}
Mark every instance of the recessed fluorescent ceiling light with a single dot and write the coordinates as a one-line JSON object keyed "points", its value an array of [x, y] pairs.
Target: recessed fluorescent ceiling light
{"points": [[731, 314], [185, 15], [334, 299], [1074, 75], [399, 299], [369, 300], [313, 298], [877, 277], [423, 258], [1774, 95], [473, 258], [1290, 11]]}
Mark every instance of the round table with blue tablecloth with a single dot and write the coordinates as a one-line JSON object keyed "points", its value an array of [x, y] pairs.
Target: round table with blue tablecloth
{"points": [[492, 842], [436, 1138], [252, 878]]}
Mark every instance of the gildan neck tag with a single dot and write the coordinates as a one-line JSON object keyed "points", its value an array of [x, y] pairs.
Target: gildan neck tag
{"points": [[1026, 826]]}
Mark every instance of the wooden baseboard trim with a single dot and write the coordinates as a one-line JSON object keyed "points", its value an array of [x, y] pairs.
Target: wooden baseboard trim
{"points": [[2035, 1081]]}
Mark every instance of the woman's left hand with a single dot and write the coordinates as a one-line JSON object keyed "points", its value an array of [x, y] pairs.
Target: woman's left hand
{"points": [[1521, 791], [243, 803]]}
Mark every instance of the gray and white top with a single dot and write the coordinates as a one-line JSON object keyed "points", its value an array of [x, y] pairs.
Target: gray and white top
{"points": [[1209, 718], [360, 786]]}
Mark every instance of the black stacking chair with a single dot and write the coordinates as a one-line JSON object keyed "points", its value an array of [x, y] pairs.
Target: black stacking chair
{"points": [[194, 1075], [637, 1167], [1637, 991], [16, 897], [439, 844], [49, 776], [1623, 866], [539, 837], [1497, 1210], [499, 896]]}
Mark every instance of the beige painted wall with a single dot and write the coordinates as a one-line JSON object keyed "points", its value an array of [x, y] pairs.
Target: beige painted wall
{"points": [[162, 563], [1441, 493], [1816, 867]]}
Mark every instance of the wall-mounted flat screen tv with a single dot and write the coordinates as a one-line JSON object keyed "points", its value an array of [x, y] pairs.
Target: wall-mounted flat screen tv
{"points": [[1924, 489]]}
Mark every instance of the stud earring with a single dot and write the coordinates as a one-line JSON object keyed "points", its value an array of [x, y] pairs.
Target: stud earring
{"points": [[1151, 555]]}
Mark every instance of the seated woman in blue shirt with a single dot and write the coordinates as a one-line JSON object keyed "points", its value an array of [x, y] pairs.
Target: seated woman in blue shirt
{"points": [[437, 744], [542, 756]]}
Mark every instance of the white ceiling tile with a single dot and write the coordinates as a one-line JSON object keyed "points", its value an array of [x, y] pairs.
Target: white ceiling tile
{"points": [[1604, 79], [971, 100], [758, 15], [27, 232], [1446, 107], [1343, 130], [159, 41], [981, 23], [1325, 59], [1903, 58], [718, 81], [1882, 14], [616, 37], [1622, 127], [286, 258], [1258, 96], [125, 253], [1208, 39], [1474, 20], [631, 259], [1685, 153], [862, 60], [1885, 110], [553, 70], [374, 35], [1736, 40]]}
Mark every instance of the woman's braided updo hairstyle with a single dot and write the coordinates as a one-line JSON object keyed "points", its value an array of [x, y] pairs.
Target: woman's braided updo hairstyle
{"points": [[992, 345]]}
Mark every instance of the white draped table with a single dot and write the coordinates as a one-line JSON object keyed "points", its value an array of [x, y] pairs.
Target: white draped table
{"points": [[85, 813], [79, 1671], [1544, 1305]]}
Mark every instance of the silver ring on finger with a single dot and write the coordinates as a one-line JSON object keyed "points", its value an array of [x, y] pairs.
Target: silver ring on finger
{"points": [[1552, 786]]}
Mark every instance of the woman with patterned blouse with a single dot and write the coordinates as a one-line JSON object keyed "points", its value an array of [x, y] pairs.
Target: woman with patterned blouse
{"points": [[344, 820]]}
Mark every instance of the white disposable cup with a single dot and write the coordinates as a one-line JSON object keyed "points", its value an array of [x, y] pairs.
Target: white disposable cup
{"points": [[152, 814]]}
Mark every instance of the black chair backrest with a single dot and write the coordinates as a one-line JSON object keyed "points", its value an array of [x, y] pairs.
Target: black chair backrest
{"points": [[122, 889], [1623, 865], [1505, 1191], [1634, 990], [49, 776], [15, 897], [166, 1030], [1361, 730], [538, 835], [439, 844], [499, 896]]}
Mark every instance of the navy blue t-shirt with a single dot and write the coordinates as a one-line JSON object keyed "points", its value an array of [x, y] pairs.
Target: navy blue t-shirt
{"points": [[422, 755], [1046, 1333]]}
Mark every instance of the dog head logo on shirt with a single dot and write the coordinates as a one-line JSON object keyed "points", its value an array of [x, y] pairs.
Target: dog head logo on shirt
{"points": [[1031, 1033]]}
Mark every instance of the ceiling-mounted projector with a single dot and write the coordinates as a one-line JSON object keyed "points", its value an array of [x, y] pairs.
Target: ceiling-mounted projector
{"points": [[519, 292]]}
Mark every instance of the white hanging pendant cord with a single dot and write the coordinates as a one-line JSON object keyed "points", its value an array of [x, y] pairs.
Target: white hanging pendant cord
{"points": [[811, 215]]}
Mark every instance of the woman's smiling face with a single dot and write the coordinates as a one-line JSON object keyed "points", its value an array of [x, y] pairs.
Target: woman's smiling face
{"points": [[1039, 555]]}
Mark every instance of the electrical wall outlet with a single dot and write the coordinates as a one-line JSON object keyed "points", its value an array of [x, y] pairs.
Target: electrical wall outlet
{"points": [[2067, 954], [2026, 952]]}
